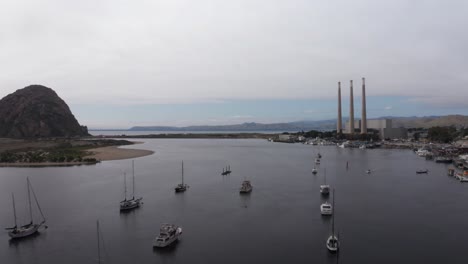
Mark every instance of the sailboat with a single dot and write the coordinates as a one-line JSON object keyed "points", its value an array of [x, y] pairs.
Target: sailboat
{"points": [[181, 187], [128, 204], [332, 241], [325, 188], [314, 171], [226, 171], [31, 228]]}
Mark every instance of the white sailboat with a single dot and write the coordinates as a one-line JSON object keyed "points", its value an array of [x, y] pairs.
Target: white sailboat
{"points": [[325, 188], [332, 241], [181, 187], [31, 228], [128, 204]]}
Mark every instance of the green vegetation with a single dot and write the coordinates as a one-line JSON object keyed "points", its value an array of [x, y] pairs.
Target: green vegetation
{"points": [[56, 151], [442, 134]]}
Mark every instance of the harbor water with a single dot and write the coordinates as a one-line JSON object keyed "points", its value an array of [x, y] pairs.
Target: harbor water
{"points": [[391, 215]]}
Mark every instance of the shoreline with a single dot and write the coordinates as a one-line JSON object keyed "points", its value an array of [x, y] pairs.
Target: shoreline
{"points": [[107, 153]]}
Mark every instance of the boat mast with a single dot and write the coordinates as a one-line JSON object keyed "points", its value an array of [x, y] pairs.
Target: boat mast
{"points": [[133, 183], [325, 170], [182, 172], [29, 200], [125, 186], [37, 202], [333, 216], [14, 208], [98, 241]]}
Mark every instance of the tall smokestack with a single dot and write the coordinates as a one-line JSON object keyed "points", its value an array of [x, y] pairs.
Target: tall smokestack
{"points": [[351, 109], [364, 114], [339, 126]]}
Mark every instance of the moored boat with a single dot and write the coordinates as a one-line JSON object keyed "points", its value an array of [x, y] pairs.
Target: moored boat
{"points": [[332, 241], [30, 228], [129, 204], [421, 171], [326, 209], [181, 187], [246, 187], [168, 234]]}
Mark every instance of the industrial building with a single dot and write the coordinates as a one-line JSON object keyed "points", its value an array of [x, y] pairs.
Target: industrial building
{"points": [[382, 126]]}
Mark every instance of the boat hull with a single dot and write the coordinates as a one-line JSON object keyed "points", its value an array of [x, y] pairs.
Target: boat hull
{"points": [[24, 231], [130, 204], [245, 191], [332, 244]]}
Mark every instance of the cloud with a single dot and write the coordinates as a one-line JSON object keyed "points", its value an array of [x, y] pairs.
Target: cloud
{"points": [[388, 107], [182, 52]]}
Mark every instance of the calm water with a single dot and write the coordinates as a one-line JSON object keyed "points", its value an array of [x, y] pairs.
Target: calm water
{"points": [[389, 216]]}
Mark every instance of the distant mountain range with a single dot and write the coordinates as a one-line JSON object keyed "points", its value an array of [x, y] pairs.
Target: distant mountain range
{"points": [[307, 125]]}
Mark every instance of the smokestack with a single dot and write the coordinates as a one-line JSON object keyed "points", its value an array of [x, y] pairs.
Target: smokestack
{"points": [[351, 109], [339, 126], [364, 114]]}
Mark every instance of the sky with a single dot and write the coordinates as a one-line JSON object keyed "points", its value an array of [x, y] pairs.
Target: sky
{"points": [[120, 63]]}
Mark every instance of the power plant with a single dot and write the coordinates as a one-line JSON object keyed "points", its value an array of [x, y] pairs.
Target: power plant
{"points": [[382, 126], [350, 125]]}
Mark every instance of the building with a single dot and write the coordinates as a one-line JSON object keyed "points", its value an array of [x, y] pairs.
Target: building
{"points": [[384, 128]]}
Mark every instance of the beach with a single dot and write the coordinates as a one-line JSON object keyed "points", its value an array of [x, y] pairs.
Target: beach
{"points": [[116, 153]]}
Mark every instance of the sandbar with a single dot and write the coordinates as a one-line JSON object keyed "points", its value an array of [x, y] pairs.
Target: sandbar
{"points": [[116, 153]]}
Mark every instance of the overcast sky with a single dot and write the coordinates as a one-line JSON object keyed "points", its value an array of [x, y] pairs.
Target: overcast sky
{"points": [[124, 63]]}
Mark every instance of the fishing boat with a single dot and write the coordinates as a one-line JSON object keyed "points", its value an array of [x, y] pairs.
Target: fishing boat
{"points": [[325, 188], [226, 171], [181, 187], [30, 228], [246, 187], [326, 209], [332, 241], [368, 171], [421, 171], [129, 204], [317, 161], [168, 233], [314, 171]]}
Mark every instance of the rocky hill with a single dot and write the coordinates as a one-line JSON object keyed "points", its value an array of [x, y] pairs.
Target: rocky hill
{"points": [[37, 111]]}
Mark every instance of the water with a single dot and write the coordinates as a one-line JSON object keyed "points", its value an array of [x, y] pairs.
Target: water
{"points": [[390, 216]]}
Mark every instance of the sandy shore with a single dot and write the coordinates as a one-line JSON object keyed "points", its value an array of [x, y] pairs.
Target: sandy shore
{"points": [[116, 153]]}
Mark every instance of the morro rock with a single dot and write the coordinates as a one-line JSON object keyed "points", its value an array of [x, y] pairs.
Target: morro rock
{"points": [[37, 111]]}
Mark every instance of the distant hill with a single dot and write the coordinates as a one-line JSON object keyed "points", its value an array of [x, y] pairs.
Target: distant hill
{"points": [[307, 125], [291, 127], [238, 127], [431, 121], [37, 111]]}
